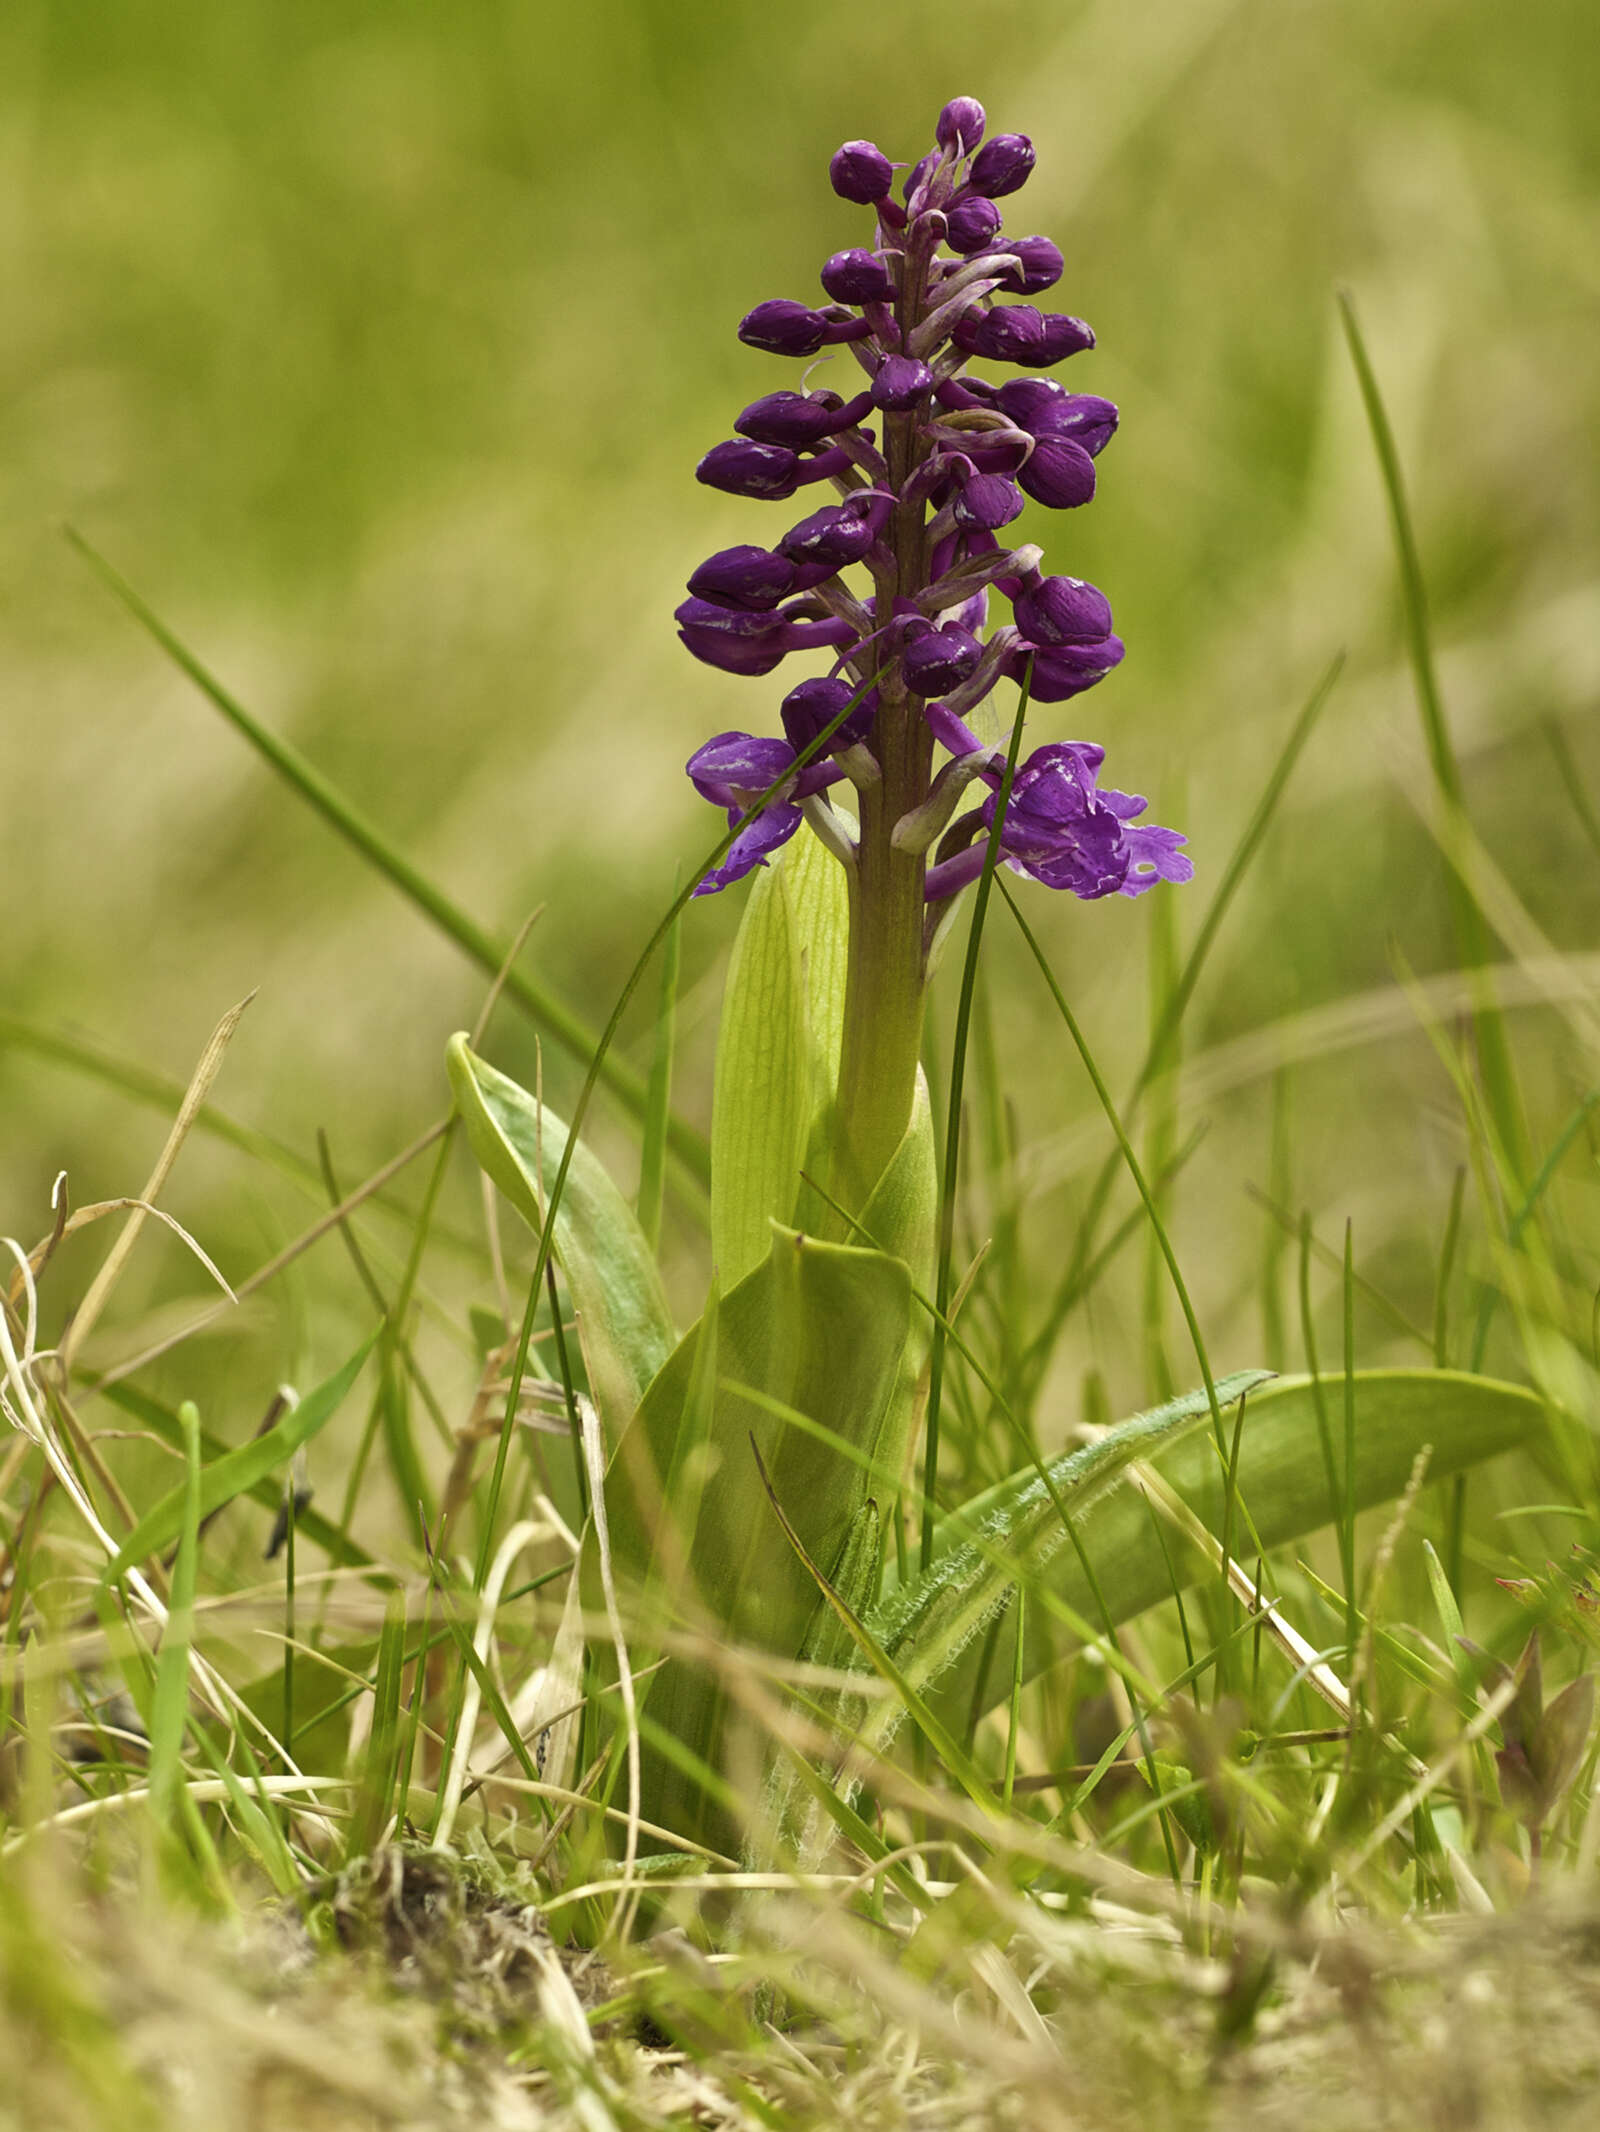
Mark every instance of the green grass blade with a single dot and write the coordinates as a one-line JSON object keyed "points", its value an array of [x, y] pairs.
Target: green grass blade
{"points": [[483, 948], [237, 1472], [658, 1094], [169, 1702], [1475, 945]]}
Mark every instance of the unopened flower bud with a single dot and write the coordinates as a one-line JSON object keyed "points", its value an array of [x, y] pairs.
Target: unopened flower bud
{"points": [[799, 418], [960, 125], [1040, 265], [1046, 409], [838, 534], [1010, 333], [1060, 474], [751, 580], [784, 327], [860, 172], [812, 707], [901, 381], [1062, 336], [1063, 610], [750, 469], [858, 277], [972, 225], [987, 502], [918, 175], [938, 660], [1002, 165]]}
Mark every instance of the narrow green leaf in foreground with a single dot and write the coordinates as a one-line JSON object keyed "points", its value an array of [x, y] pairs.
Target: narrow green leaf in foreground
{"points": [[169, 1704], [624, 1324], [237, 1472]]}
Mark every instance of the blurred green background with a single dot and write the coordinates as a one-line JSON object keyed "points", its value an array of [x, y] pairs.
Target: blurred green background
{"points": [[376, 342]]}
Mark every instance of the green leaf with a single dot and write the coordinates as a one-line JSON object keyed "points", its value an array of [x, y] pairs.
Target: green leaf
{"points": [[623, 1321], [169, 1704], [761, 1099], [820, 1329], [237, 1472], [1282, 1482], [778, 1055]]}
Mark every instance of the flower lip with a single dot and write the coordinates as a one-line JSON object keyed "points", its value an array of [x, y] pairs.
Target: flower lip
{"points": [[861, 172], [1061, 671]]}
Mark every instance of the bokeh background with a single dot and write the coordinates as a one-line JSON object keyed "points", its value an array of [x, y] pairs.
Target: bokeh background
{"points": [[375, 342]]}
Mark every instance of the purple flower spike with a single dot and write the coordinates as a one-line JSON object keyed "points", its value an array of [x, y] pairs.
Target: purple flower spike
{"points": [[1041, 267], [896, 574], [860, 172], [797, 419], [751, 580], [901, 381], [939, 660], [1063, 610], [960, 125], [1060, 474], [1002, 165], [812, 707], [972, 225], [988, 502], [858, 277]]}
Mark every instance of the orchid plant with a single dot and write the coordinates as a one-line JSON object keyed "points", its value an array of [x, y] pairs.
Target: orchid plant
{"points": [[748, 1484]]}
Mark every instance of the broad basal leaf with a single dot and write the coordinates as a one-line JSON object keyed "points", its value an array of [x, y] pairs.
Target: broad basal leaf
{"points": [[623, 1322]]}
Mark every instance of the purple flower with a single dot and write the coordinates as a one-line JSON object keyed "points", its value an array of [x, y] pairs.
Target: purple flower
{"points": [[1058, 473], [796, 419], [733, 771], [858, 278], [1061, 671], [1063, 610], [860, 172], [972, 225], [1041, 265], [751, 469], [751, 643], [1061, 829], [988, 502], [960, 125], [838, 534], [901, 381], [1046, 409], [753, 580], [1002, 165], [811, 708], [935, 661], [786, 328]]}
